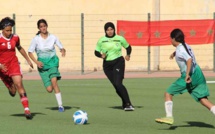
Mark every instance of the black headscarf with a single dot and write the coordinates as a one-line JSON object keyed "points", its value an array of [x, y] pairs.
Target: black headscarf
{"points": [[107, 25]]}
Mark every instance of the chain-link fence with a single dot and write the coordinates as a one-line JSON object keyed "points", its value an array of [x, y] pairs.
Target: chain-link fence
{"points": [[80, 33]]}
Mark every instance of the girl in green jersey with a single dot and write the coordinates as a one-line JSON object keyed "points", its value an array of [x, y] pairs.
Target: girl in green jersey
{"points": [[109, 48]]}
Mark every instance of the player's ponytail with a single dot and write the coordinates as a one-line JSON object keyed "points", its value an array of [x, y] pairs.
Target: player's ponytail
{"points": [[183, 43], [38, 33]]}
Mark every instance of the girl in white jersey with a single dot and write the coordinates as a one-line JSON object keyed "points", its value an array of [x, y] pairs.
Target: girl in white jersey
{"points": [[47, 61], [192, 79]]}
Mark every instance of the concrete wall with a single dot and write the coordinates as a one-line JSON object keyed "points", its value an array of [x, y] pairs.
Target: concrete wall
{"points": [[64, 19]]}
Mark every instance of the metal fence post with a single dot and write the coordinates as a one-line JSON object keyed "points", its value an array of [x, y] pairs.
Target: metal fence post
{"points": [[82, 43], [149, 41], [14, 28], [214, 47]]}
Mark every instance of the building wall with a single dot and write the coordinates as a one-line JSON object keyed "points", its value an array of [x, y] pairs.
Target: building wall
{"points": [[64, 19]]}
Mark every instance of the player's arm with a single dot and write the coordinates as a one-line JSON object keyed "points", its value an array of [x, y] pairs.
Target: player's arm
{"points": [[39, 64], [189, 64], [31, 49], [63, 51], [127, 47], [172, 55], [97, 51], [128, 53], [24, 54], [60, 46], [99, 55]]}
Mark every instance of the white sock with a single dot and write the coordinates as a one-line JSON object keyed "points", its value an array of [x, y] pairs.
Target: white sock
{"points": [[168, 108], [213, 109], [59, 99], [26, 108]]}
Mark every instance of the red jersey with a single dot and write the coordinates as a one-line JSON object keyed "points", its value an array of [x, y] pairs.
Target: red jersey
{"points": [[8, 48], [8, 58]]}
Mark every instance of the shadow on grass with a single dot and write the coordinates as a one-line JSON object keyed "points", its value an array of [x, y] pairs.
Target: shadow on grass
{"points": [[82, 124], [192, 124], [23, 115], [120, 107], [65, 107]]}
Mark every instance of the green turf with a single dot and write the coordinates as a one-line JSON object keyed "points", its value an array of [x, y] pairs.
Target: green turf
{"points": [[99, 99]]}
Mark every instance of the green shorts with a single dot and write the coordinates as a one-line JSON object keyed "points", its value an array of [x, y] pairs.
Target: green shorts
{"points": [[48, 75], [197, 88]]}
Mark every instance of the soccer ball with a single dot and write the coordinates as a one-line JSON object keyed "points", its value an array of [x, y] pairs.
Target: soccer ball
{"points": [[80, 117]]}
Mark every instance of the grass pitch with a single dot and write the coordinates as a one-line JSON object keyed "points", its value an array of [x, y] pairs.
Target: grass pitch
{"points": [[98, 98]]}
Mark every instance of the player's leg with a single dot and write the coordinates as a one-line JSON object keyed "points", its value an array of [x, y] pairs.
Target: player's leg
{"points": [[45, 76], [118, 72], [178, 87], [109, 74], [49, 89], [201, 92], [54, 75], [57, 94], [108, 70], [209, 105], [49, 79], [12, 90], [8, 82], [168, 119], [17, 80]]}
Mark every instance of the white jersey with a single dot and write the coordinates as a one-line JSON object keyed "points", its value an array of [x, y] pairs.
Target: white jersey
{"points": [[182, 56], [45, 48]]}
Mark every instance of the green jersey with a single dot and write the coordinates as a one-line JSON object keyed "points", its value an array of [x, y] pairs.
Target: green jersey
{"points": [[112, 47]]}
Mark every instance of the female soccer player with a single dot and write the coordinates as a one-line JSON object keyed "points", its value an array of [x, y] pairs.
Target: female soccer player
{"points": [[10, 71], [109, 49], [192, 79], [47, 61]]}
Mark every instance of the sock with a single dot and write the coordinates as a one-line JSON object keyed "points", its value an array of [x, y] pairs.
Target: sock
{"points": [[26, 108], [168, 108], [59, 99], [24, 101], [213, 109]]}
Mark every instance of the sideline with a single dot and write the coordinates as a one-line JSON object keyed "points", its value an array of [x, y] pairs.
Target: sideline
{"points": [[34, 75]]}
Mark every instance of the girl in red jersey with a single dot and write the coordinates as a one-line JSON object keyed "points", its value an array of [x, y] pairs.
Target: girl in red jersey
{"points": [[10, 72]]}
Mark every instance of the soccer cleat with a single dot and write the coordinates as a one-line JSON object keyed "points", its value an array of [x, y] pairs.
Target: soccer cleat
{"points": [[61, 109], [28, 115], [129, 108], [165, 120]]}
